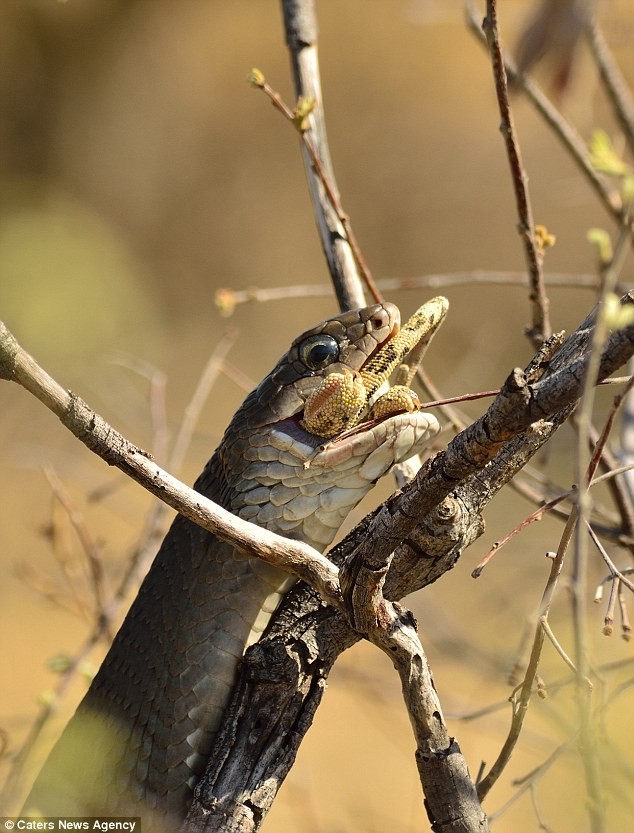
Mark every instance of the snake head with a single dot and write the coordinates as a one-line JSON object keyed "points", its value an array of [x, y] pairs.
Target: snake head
{"points": [[337, 402], [342, 344], [314, 390]]}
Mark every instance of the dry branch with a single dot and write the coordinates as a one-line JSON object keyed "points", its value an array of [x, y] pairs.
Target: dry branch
{"points": [[420, 534], [408, 543], [567, 134], [16, 365], [300, 26], [540, 328]]}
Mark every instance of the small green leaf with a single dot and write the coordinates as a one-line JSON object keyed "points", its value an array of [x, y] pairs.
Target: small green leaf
{"points": [[600, 239], [615, 314], [603, 156]]}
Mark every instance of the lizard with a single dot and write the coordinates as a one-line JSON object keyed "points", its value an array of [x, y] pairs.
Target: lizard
{"points": [[300, 453]]}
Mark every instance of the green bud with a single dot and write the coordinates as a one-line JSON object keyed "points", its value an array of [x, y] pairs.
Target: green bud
{"points": [[600, 239], [256, 78], [603, 156], [616, 315], [543, 238], [303, 109], [225, 301], [46, 697], [59, 664], [87, 670]]}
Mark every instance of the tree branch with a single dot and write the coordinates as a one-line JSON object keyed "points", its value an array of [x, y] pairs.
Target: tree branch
{"points": [[419, 534], [96, 434], [300, 26], [565, 132], [540, 328]]}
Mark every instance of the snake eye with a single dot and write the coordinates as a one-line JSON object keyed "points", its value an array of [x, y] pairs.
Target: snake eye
{"points": [[318, 351]]}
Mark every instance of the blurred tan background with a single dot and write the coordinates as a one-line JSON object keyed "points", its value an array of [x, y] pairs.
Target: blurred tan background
{"points": [[139, 174]]}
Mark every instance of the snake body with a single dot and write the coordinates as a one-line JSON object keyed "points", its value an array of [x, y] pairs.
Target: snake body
{"points": [[140, 738]]}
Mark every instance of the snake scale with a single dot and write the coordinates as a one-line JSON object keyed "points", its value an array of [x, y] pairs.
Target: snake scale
{"points": [[140, 738]]}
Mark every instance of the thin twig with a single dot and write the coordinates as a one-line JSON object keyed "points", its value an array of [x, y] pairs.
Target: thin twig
{"points": [[527, 782], [537, 515], [608, 619], [543, 621], [89, 546], [464, 397], [228, 299], [536, 809], [455, 417], [626, 628], [194, 407], [158, 411], [324, 175], [602, 456], [301, 32], [76, 601], [521, 706], [613, 81], [46, 588], [613, 473], [540, 328], [564, 131], [616, 573], [476, 714]]}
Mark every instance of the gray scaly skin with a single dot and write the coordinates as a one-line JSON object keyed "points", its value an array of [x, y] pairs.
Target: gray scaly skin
{"points": [[141, 736]]}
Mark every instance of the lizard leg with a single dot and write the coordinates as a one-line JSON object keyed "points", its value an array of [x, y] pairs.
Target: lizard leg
{"points": [[335, 405]]}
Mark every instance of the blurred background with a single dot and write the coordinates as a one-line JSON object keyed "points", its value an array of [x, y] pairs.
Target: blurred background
{"points": [[139, 174]]}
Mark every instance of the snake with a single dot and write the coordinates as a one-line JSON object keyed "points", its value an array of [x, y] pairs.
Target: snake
{"points": [[143, 733]]}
